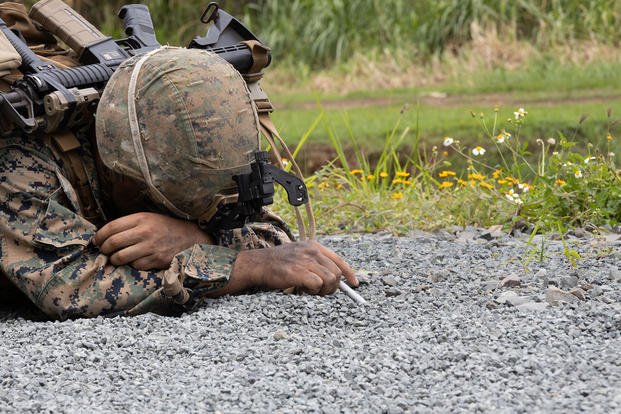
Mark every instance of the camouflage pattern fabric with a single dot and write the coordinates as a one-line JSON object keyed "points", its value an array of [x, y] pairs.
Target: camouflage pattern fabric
{"points": [[46, 248]]}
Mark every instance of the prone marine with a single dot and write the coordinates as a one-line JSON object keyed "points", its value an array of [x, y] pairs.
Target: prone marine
{"points": [[157, 204]]}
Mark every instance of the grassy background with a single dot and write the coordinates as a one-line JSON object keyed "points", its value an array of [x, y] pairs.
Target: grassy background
{"points": [[362, 60]]}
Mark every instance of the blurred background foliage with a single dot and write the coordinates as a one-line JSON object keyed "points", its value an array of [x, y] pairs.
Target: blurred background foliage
{"points": [[320, 33]]}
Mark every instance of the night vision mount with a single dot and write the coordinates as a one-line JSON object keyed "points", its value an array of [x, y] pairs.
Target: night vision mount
{"points": [[256, 190]]}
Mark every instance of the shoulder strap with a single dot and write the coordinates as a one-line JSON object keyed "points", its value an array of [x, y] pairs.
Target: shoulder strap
{"points": [[68, 148]]}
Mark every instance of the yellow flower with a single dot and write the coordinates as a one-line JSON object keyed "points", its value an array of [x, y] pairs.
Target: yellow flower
{"points": [[496, 173], [370, 177], [383, 174], [324, 184], [578, 174], [503, 182], [512, 180], [445, 153], [445, 184], [609, 137], [398, 181], [476, 176], [396, 196], [486, 185], [310, 185], [355, 172], [402, 174], [407, 182], [462, 183], [339, 186], [446, 173], [560, 182]]}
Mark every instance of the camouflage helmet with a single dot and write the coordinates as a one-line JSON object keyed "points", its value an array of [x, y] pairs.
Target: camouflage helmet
{"points": [[181, 123]]}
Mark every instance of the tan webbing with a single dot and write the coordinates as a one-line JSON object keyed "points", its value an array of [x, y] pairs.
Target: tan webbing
{"points": [[9, 58], [271, 134], [68, 147]]}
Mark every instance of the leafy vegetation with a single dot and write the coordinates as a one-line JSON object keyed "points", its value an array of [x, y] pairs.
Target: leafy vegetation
{"points": [[562, 187]]}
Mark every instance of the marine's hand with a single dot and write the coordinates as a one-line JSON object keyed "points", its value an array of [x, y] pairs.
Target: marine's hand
{"points": [[308, 266], [147, 240]]}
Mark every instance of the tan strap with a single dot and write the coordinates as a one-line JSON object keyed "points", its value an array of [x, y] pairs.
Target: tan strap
{"points": [[259, 60], [16, 18], [268, 129], [69, 147], [9, 58]]}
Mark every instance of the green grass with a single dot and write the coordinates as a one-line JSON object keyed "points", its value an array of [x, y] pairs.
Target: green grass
{"points": [[370, 125]]}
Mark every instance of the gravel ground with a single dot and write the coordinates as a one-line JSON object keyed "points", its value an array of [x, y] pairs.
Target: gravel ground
{"points": [[458, 321]]}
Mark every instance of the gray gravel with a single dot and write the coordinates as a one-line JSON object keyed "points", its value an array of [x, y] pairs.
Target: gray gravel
{"points": [[459, 321]]}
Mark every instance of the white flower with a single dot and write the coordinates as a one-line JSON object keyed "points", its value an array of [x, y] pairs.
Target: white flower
{"points": [[523, 187], [448, 141], [551, 141], [514, 197], [611, 154], [504, 135], [578, 174], [588, 159], [520, 113], [478, 150], [555, 153]]}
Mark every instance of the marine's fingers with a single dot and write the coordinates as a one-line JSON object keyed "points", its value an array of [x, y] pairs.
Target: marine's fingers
{"points": [[121, 240], [128, 255], [150, 262], [114, 227], [329, 279], [348, 272]]}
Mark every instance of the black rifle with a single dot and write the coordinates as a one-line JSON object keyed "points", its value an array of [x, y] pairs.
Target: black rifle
{"points": [[49, 98]]}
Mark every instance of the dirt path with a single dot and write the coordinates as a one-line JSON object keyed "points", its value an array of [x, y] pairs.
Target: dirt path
{"points": [[445, 101]]}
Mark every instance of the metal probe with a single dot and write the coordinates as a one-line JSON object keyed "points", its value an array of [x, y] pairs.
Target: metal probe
{"points": [[350, 292]]}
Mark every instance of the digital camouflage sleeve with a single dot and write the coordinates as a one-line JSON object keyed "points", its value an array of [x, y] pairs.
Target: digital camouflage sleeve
{"points": [[46, 248]]}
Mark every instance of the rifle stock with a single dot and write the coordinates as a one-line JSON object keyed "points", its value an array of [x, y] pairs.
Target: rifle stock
{"points": [[46, 97]]}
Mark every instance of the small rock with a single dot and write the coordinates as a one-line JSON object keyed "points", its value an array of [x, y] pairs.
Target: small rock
{"points": [[363, 279], [532, 306], [580, 233], [579, 293], [555, 295], [491, 305], [512, 299], [596, 291], [280, 334], [505, 296], [466, 237], [490, 285], [421, 288], [615, 275], [438, 276], [392, 291], [510, 281], [389, 281], [568, 282], [541, 273]]}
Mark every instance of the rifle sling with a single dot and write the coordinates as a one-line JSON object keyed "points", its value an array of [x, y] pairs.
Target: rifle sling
{"points": [[69, 149]]}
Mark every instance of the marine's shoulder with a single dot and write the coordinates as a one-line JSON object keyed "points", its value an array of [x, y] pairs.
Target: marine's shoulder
{"points": [[37, 146]]}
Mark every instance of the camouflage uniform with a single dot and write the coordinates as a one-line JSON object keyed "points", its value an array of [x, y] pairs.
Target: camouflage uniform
{"points": [[46, 248]]}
